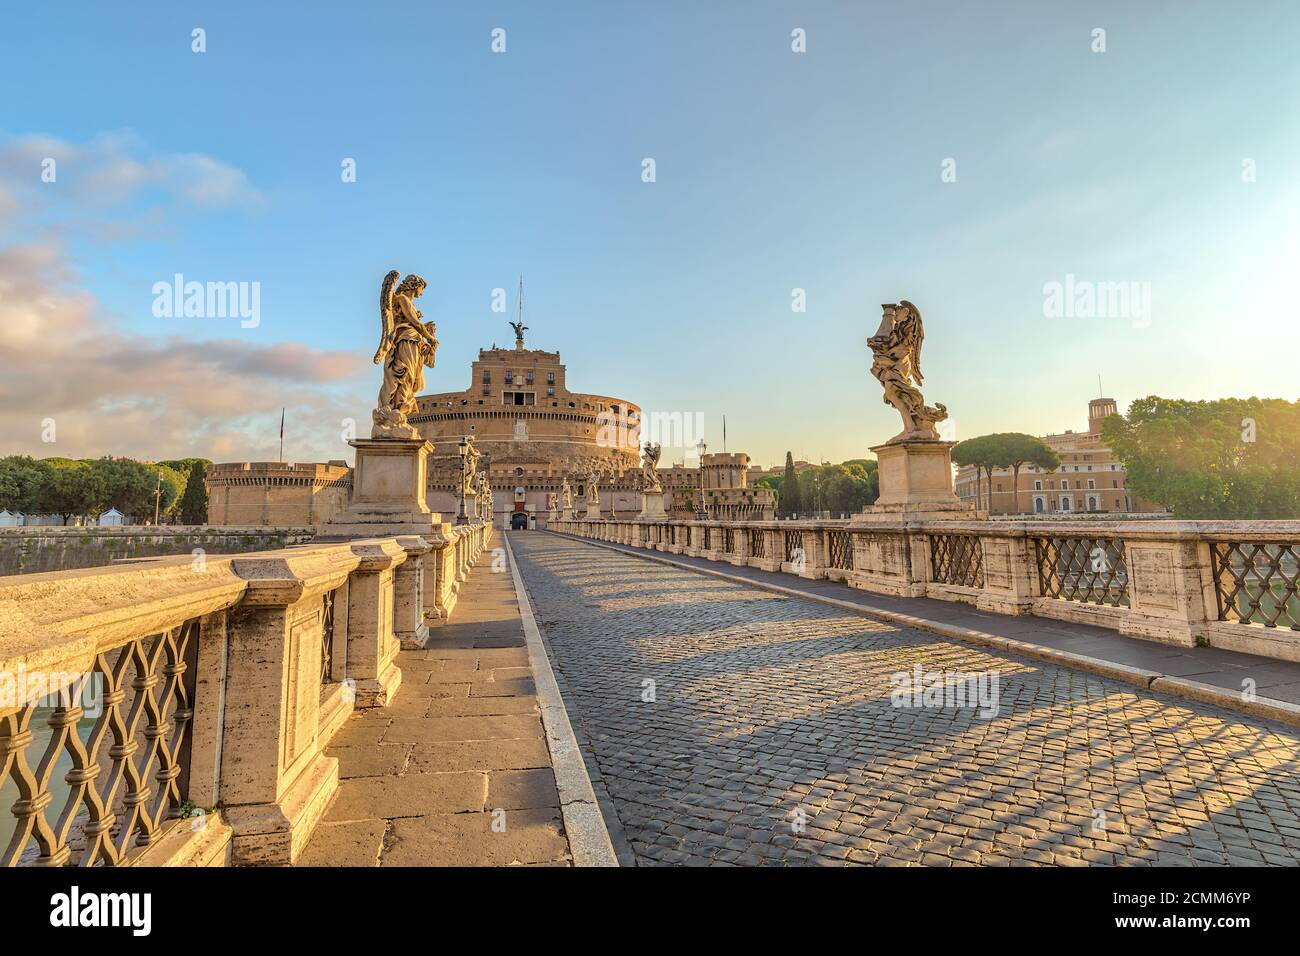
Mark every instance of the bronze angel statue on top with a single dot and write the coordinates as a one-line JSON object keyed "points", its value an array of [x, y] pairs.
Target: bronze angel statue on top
{"points": [[406, 347], [897, 365]]}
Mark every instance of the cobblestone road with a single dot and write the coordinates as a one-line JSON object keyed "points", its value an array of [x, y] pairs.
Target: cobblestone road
{"points": [[771, 737]]}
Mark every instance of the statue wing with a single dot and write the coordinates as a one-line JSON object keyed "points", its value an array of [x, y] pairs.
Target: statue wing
{"points": [[387, 319], [915, 336]]}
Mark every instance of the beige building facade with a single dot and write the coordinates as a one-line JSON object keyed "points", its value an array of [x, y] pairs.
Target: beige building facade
{"points": [[272, 494], [532, 430], [1089, 479], [728, 494]]}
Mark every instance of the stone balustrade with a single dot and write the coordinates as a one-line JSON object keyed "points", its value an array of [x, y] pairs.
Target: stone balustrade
{"points": [[175, 710], [1228, 584]]}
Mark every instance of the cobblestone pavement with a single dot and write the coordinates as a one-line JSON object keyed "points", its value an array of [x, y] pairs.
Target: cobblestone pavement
{"points": [[771, 737]]}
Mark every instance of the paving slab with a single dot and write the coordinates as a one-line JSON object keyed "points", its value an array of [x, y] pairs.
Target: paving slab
{"points": [[466, 725]]}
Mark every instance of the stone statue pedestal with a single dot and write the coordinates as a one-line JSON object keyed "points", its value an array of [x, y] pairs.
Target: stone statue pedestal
{"points": [[652, 506], [388, 486], [915, 482], [593, 511], [566, 514]]}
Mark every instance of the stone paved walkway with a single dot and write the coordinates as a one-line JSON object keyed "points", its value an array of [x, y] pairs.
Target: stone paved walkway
{"points": [[733, 725], [424, 779]]}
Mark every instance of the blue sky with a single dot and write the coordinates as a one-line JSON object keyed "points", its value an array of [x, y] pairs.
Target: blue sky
{"points": [[774, 171]]}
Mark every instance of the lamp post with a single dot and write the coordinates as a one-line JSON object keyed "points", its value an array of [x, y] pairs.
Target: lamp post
{"points": [[703, 513], [462, 449]]}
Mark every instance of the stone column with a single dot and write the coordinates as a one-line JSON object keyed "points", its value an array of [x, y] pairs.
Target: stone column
{"points": [[740, 546], [1010, 575], [439, 574], [275, 782], [409, 597], [372, 648], [1168, 602]]}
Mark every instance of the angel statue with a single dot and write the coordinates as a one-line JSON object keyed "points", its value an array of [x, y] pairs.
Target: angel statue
{"points": [[649, 469], [482, 493], [566, 494], [897, 365], [593, 491], [520, 329], [406, 347], [469, 465]]}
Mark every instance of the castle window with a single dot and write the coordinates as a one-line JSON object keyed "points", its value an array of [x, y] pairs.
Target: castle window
{"points": [[529, 379], [550, 378], [550, 393], [487, 376], [510, 377]]}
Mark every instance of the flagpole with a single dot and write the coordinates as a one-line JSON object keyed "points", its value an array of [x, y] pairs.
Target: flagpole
{"points": [[282, 436]]}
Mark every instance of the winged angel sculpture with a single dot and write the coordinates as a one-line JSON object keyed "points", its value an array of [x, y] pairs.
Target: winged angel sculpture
{"points": [[897, 366], [650, 480], [406, 347]]}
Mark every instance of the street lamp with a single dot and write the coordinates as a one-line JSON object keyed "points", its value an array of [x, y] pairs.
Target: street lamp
{"points": [[703, 513], [462, 449]]}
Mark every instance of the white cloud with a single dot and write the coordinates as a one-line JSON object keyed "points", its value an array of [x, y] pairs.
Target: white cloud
{"points": [[117, 168], [110, 391]]}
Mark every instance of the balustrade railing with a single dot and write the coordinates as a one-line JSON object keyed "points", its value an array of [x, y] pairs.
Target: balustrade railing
{"points": [[1087, 570], [100, 763], [1230, 584], [839, 550], [154, 714], [957, 559], [1257, 582], [793, 545], [328, 602]]}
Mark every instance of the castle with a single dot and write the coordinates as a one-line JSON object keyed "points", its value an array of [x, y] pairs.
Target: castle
{"points": [[533, 433]]}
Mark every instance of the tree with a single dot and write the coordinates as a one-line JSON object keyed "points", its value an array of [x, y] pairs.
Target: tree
{"points": [[171, 485], [1021, 450], [129, 486], [71, 488], [1231, 458], [791, 500], [194, 503], [846, 488], [22, 482], [983, 453]]}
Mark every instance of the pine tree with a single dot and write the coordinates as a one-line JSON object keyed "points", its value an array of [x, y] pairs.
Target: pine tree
{"points": [[790, 502], [194, 503]]}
